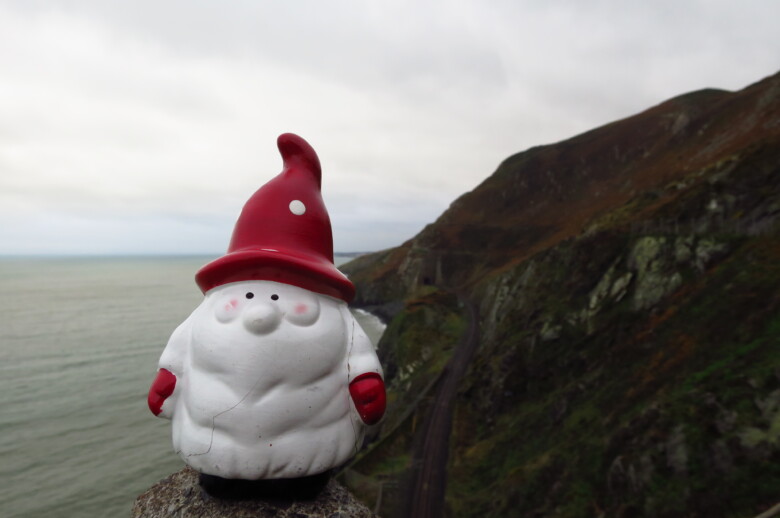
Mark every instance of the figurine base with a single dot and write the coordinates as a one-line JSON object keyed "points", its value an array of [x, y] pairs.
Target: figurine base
{"points": [[304, 488]]}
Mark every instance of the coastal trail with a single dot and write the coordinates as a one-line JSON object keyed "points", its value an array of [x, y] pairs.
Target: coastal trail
{"points": [[428, 476]]}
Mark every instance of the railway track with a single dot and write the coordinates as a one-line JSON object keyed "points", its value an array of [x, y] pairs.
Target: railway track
{"points": [[428, 478]]}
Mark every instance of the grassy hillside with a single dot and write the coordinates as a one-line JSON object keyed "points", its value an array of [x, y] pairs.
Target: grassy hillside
{"points": [[627, 282]]}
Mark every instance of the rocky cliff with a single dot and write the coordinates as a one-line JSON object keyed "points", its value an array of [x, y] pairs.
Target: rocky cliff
{"points": [[627, 282]]}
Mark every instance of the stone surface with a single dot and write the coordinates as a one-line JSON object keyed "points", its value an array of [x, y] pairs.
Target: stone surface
{"points": [[180, 496]]}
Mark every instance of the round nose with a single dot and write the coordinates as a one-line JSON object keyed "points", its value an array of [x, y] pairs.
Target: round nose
{"points": [[261, 319]]}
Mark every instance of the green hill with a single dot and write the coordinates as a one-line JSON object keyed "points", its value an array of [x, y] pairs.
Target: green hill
{"points": [[627, 282]]}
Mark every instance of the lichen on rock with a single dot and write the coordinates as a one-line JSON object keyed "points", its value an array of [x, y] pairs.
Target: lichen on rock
{"points": [[656, 276]]}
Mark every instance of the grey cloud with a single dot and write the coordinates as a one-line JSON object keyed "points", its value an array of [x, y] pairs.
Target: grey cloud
{"points": [[147, 111]]}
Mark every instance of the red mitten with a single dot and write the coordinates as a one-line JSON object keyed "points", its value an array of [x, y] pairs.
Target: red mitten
{"points": [[162, 387], [368, 393]]}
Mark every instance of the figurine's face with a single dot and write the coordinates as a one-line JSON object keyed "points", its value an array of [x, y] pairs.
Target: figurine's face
{"points": [[260, 306], [266, 330]]}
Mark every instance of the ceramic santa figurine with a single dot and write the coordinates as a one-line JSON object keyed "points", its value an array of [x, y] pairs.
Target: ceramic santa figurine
{"points": [[271, 377]]}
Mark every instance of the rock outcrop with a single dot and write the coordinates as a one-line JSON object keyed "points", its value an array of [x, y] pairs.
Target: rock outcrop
{"points": [[180, 496]]}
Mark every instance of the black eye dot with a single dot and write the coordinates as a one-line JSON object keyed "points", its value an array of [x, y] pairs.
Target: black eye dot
{"points": [[250, 295], [274, 297]]}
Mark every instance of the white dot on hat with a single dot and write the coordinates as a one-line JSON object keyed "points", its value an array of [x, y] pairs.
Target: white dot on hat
{"points": [[297, 207]]}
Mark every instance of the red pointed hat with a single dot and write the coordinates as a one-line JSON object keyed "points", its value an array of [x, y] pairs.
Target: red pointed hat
{"points": [[283, 233]]}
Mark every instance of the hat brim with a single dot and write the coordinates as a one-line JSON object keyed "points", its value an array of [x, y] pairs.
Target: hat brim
{"points": [[311, 273]]}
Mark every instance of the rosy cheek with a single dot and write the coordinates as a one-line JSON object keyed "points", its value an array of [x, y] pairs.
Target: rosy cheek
{"points": [[303, 313], [227, 311]]}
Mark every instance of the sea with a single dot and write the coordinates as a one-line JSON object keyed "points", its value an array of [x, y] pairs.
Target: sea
{"points": [[79, 342]]}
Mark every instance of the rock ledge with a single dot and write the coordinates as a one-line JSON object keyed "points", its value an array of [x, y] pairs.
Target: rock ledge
{"points": [[179, 496]]}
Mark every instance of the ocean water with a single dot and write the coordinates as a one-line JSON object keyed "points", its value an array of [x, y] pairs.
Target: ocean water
{"points": [[79, 344]]}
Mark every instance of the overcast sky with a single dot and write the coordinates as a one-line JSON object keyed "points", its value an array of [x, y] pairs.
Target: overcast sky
{"points": [[143, 127]]}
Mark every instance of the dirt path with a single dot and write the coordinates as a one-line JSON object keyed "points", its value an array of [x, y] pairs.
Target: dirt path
{"points": [[428, 478]]}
